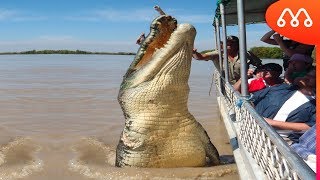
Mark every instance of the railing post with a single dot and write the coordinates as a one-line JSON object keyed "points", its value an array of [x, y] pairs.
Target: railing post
{"points": [[224, 40], [218, 46], [242, 49], [215, 33]]}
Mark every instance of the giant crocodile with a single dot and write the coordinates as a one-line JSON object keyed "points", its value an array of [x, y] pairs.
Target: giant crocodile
{"points": [[159, 129]]}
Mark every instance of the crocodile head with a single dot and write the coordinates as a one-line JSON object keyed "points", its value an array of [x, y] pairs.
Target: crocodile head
{"points": [[168, 46], [159, 129]]}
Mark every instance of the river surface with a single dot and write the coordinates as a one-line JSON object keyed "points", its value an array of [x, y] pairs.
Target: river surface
{"points": [[60, 119]]}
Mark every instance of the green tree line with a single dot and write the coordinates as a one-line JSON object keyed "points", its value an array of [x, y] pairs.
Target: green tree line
{"points": [[267, 52], [68, 52], [261, 52]]}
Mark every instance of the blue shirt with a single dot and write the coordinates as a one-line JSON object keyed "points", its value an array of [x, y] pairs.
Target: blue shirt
{"points": [[307, 143], [269, 101]]}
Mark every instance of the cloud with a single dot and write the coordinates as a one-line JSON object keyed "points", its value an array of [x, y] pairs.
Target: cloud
{"points": [[14, 15], [113, 15], [195, 18], [6, 14], [137, 15], [122, 15], [56, 38], [29, 18], [109, 14]]}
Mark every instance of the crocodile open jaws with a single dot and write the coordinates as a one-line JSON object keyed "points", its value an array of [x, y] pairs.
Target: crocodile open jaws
{"points": [[159, 129]]}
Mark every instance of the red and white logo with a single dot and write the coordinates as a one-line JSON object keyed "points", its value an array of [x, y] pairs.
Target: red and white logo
{"points": [[298, 20], [294, 21]]}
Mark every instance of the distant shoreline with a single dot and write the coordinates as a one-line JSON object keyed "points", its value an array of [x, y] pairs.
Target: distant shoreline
{"points": [[65, 52]]}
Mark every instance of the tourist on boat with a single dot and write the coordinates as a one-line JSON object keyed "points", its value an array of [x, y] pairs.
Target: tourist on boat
{"points": [[299, 65], [289, 107], [233, 58], [266, 75], [306, 147], [289, 47]]}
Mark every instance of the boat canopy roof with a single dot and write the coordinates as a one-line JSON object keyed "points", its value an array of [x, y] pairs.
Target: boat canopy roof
{"points": [[254, 11]]}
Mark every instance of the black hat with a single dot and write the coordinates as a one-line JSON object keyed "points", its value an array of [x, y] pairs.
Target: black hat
{"points": [[272, 67], [258, 69], [233, 38]]}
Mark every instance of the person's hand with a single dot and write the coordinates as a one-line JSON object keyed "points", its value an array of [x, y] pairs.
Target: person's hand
{"points": [[277, 38], [200, 57], [250, 73], [269, 121], [195, 54]]}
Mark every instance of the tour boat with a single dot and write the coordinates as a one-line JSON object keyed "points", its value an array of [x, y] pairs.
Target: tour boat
{"points": [[259, 151]]}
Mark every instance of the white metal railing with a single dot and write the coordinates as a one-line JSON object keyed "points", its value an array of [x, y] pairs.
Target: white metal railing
{"points": [[272, 154]]}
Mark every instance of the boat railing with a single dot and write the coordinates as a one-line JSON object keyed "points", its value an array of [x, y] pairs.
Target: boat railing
{"points": [[271, 153]]}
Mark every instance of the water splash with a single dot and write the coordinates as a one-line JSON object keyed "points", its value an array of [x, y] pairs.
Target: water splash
{"points": [[95, 159], [17, 159]]}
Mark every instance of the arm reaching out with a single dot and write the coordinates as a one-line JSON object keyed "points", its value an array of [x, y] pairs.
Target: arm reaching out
{"points": [[267, 38], [287, 125], [198, 56]]}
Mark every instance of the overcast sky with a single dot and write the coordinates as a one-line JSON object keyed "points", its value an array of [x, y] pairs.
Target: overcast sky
{"points": [[101, 25]]}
